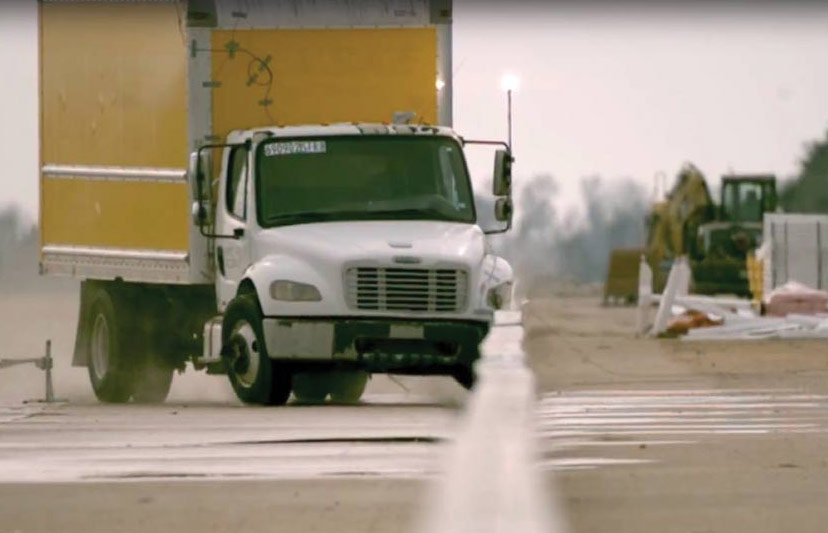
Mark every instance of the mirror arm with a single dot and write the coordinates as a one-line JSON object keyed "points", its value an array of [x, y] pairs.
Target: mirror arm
{"points": [[200, 178], [504, 144]]}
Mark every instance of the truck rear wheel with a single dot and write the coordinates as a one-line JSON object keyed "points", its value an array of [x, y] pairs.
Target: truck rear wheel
{"points": [[255, 378], [348, 386], [152, 380], [108, 364]]}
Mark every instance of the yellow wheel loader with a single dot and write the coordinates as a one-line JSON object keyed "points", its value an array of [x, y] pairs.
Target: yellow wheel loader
{"points": [[717, 239]]}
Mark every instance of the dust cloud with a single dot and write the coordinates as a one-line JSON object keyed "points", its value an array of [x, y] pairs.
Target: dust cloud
{"points": [[32, 310], [569, 247], [35, 308]]}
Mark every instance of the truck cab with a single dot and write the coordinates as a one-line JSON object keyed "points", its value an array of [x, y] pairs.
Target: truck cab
{"points": [[345, 250]]}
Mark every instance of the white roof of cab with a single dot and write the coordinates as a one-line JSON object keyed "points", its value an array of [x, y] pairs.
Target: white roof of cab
{"points": [[316, 130]]}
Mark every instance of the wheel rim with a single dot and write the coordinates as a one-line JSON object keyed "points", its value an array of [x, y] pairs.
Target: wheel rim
{"points": [[100, 347], [244, 347]]}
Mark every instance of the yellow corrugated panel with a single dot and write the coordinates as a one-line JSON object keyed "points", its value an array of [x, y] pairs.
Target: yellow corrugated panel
{"points": [[322, 76], [113, 93], [113, 84], [110, 213]]}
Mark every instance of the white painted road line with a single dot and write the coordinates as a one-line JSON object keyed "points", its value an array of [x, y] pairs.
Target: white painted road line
{"points": [[596, 419], [491, 481], [133, 442]]}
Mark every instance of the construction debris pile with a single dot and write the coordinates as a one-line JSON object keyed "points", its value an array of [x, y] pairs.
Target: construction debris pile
{"points": [[791, 311]]}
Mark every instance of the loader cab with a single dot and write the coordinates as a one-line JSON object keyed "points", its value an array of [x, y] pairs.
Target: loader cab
{"points": [[746, 198]]}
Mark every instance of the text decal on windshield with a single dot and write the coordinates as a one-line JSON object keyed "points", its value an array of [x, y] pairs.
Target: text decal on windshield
{"points": [[295, 147]]}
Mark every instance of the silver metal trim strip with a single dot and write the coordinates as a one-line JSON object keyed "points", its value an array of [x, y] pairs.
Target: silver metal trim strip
{"points": [[305, 14], [87, 262], [115, 253], [114, 173]]}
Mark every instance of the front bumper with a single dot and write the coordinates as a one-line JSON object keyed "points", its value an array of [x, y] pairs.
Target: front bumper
{"points": [[404, 346]]}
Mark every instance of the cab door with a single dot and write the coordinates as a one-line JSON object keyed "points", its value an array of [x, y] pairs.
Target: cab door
{"points": [[232, 250]]}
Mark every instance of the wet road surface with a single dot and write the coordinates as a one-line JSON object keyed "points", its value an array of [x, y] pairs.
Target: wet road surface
{"points": [[216, 466], [641, 434]]}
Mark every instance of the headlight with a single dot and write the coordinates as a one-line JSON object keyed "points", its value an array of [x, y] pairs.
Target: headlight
{"points": [[500, 296], [292, 291]]}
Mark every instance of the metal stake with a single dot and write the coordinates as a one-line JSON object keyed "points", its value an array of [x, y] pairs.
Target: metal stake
{"points": [[47, 364]]}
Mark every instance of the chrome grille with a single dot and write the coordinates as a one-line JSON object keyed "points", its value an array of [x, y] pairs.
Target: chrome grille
{"points": [[406, 289]]}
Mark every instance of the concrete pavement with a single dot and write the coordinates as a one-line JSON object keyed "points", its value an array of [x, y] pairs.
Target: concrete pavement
{"points": [[660, 435]]}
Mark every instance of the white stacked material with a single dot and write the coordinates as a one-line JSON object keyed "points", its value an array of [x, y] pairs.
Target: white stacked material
{"points": [[740, 322], [790, 327], [795, 249]]}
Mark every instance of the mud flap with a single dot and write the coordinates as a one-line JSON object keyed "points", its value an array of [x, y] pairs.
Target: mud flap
{"points": [[79, 357]]}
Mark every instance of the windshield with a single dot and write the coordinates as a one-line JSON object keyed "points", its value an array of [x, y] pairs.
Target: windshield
{"points": [[747, 201], [362, 178]]}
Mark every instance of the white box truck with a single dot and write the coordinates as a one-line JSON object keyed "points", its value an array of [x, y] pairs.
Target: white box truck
{"points": [[266, 190]]}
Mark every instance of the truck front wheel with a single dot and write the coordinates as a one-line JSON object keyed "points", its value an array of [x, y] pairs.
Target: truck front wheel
{"points": [[255, 378], [311, 387], [108, 363]]}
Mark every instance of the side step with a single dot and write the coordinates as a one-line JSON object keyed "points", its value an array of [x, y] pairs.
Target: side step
{"points": [[211, 354]]}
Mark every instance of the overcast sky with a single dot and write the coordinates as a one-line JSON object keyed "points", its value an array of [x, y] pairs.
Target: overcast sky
{"points": [[614, 90]]}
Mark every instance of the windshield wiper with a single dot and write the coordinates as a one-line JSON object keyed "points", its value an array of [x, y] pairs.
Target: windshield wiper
{"points": [[363, 214], [310, 216], [407, 213]]}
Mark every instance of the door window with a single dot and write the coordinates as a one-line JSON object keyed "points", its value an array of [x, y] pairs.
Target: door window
{"points": [[237, 183]]}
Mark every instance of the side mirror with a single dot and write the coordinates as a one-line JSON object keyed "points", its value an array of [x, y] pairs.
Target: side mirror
{"points": [[502, 183], [202, 213], [503, 209], [192, 173], [197, 171]]}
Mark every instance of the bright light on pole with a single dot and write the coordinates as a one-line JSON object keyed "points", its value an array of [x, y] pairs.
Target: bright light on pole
{"points": [[509, 82]]}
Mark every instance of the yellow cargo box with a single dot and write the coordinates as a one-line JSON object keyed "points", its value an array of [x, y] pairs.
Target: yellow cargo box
{"points": [[128, 89]]}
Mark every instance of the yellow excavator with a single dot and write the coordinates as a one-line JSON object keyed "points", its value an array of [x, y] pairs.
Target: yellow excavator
{"points": [[716, 239]]}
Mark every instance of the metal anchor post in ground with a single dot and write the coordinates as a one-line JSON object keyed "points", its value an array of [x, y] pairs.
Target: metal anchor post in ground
{"points": [[44, 363]]}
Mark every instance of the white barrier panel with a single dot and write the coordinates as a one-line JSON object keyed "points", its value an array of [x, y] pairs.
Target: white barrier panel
{"points": [[645, 296], [492, 482], [798, 250], [666, 302]]}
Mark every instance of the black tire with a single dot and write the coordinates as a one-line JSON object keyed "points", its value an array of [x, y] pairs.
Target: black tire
{"points": [[311, 387], [256, 379], [108, 358], [348, 386], [464, 375], [152, 380]]}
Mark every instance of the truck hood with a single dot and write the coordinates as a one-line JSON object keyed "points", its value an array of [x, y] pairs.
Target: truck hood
{"points": [[429, 242]]}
